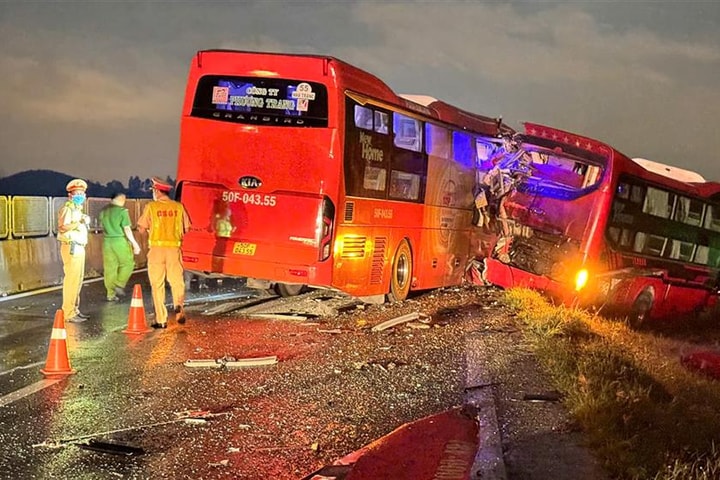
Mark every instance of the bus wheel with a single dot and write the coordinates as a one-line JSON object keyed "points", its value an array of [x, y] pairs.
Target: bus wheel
{"points": [[289, 289], [401, 273], [640, 310]]}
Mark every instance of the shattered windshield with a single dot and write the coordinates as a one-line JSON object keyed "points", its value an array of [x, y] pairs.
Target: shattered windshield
{"points": [[547, 172]]}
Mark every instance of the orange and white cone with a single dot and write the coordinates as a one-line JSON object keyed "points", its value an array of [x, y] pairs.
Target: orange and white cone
{"points": [[58, 362], [136, 318]]}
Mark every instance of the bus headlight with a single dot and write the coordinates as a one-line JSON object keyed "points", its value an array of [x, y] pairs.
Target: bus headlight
{"points": [[581, 279]]}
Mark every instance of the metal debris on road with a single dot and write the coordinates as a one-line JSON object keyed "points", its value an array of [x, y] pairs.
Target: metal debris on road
{"points": [[421, 317], [230, 362]]}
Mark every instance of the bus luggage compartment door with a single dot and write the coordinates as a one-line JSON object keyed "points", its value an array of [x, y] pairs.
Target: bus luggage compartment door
{"points": [[278, 236]]}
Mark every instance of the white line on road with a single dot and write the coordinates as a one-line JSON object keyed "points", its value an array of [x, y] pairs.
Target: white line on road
{"points": [[22, 367], [52, 289], [29, 390]]}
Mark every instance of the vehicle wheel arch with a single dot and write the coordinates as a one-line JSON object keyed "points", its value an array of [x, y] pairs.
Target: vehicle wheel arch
{"points": [[401, 271], [641, 307]]}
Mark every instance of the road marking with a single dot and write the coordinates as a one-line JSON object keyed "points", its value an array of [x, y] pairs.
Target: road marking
{"points": [[39, 291], [21, 367], [29, 390]]}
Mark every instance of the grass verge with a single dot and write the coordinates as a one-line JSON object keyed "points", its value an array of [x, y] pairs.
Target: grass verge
{"points": [[647, 416]]}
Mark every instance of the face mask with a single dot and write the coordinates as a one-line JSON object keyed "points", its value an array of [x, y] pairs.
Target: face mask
{"points": [[78, 199]]}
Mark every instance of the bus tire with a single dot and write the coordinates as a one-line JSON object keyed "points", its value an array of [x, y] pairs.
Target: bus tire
{"points": [[401, 275], [289, 289], [640, 310]]}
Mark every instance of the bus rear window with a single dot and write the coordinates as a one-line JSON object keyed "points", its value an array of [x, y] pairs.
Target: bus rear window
{"points": [[263, 101]]}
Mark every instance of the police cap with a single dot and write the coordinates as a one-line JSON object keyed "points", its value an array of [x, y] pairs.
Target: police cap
{"points": [[76, 184], [161, 185]]}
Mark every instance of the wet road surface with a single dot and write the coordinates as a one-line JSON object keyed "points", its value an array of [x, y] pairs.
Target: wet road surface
{"points": [[337, 385]]}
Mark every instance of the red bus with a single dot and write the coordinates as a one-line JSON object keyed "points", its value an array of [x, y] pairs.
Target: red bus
{"points": [[587, 224], [304, 170]]}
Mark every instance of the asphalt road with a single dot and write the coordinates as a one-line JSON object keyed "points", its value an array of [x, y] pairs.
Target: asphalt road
{"points": [[337, 386]]}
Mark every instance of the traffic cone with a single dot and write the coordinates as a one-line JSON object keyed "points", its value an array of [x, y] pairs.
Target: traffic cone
{"points": [[136, 318], [57, 362]]}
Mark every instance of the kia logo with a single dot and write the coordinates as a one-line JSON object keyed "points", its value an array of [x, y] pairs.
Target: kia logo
{"points": [[250, 182]]}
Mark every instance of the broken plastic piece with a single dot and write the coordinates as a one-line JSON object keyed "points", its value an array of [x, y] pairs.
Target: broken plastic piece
{"points": [[401, 319], [205, 363]]}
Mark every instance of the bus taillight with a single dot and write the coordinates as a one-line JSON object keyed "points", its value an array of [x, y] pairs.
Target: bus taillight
{"points": [[324, 228], [581, 279]]}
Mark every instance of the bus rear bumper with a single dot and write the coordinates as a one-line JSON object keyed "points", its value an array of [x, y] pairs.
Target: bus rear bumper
{"points": [[282, 272]]}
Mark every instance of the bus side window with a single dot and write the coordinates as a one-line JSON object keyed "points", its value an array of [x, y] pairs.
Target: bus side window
{"points": [[712, 219], [689, 211], [658, 202], [408, 132], [381, 122], [437, 141], [637, 193], [363, 117], [623, 191]]}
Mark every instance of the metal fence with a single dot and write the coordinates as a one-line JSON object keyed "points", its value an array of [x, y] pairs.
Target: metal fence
{"points": [[29, 253]]}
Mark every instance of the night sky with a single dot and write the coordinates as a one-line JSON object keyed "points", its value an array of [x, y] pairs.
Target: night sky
{"points": [[94, 89]]}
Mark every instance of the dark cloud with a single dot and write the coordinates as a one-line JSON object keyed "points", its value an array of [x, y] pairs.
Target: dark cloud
{"points": [[102, 83]]}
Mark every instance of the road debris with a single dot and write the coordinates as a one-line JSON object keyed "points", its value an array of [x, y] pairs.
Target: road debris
{"points": [[421, 317], [111, 448], [552, 396], [231, 306], [333, 331], [418, 325], [231, 362], [88, 441]]}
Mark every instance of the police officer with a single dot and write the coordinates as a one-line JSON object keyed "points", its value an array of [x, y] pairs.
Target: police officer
{"points": [[167, 222], [118, 262], [73, 237]]}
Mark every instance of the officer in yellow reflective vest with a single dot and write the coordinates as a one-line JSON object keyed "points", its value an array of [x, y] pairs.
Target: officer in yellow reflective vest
{"points": [[73, 237], [167, 221]]}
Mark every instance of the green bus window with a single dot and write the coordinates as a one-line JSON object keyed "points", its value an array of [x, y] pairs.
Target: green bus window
{"points": [[712, 219], [689, 211]]}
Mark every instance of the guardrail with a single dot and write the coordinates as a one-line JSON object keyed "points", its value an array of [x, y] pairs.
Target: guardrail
{"points": [[29, 251]]}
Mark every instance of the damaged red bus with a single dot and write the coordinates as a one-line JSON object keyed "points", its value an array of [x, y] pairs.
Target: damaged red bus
{"points": [[590, 226], [305, 170]]}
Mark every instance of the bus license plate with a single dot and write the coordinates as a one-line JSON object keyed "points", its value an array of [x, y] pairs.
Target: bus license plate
{"points": [[244, 248]]}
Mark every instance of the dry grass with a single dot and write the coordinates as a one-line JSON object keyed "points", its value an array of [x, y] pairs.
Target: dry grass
{"points": [[646, 415]]}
